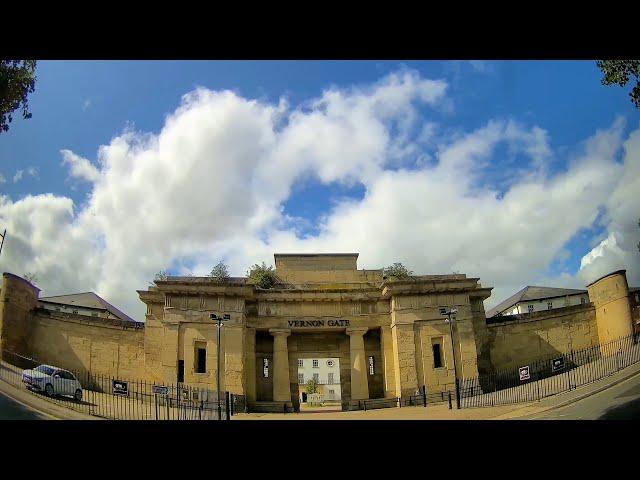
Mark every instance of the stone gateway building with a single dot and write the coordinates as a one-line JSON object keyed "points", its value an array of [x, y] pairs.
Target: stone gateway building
{"points": [[388, 336], [323, 307]]}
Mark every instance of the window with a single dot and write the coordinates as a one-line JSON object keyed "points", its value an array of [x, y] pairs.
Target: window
{"points": [[549, 305], [332, 392], [583, 300], [372, 369], [330, 378], [74, 312], [437, 356], [300, 362], [315, 364], [530, 308], [329, 363], [316, 377], [94, 314], [201, 357], [301, 378]]}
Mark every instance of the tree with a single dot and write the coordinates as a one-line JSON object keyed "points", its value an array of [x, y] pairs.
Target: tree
{"points": [[397, 270], [17, 80], [263, 276], [618, 72], [31, 278], [312, 386], [220, 272]]}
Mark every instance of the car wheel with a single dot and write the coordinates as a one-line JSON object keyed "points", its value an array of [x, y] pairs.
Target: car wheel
{"points": [[78, 395], [48, 389]]}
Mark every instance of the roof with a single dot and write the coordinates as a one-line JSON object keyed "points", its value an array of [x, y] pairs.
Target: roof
{"points": [[532, 293], [87, 300]]}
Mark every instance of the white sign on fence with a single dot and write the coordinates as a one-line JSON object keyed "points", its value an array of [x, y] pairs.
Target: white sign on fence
{"points": [[524, 373]]}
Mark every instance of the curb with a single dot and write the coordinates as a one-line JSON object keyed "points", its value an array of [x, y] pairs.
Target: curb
{"points": [[583, 396]]}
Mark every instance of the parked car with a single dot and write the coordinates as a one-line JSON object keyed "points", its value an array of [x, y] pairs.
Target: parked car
{"points": [[52, 381]]}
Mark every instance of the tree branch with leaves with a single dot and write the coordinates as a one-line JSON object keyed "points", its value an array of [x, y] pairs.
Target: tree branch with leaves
{"points": [[17, 81]]}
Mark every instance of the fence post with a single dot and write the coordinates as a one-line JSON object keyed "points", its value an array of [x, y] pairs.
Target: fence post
{"points": [[228, 407], [449, 399], [617, 361], [424, 395], [155, 397], [457, 394]]}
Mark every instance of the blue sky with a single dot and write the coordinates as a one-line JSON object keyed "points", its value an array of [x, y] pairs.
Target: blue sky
{"points": [[79, 106]]}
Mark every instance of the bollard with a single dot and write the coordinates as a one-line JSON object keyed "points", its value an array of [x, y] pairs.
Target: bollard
{"points": [[450, 407]]}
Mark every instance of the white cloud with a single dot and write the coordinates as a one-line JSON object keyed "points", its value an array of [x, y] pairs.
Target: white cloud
{"points": [[212, 184], [2, 179], [31, 171], [86, 105], [80, 167]]}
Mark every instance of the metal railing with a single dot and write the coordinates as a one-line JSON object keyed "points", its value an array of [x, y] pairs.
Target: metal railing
{"points": [[125, 399], [550, 375], [419, 400]]}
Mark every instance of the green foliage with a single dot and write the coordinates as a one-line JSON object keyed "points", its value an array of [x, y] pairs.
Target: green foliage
{"points": [[397, 270], [17, 80], [312, 386], [220, 272], [263, 276], [161, 275], [618, 72]]}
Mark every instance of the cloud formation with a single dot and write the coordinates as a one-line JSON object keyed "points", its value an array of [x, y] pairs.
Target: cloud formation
{"points": [[212, 183]]}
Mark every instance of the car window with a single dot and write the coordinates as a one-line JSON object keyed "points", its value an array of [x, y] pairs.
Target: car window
{"points": [[44, 369], [70, 376]]}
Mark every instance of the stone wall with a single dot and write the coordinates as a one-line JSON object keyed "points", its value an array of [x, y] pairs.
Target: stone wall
{"points": [[18, 298], [610, 296], [87, 344], [519, 339]]}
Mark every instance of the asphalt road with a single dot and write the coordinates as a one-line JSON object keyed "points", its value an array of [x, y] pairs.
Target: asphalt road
{"points": [[620, 402], [10, 410]]}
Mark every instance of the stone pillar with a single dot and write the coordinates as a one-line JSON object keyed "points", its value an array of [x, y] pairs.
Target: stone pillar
{"points": [[281, 387], [386, 341], [359, 382]]}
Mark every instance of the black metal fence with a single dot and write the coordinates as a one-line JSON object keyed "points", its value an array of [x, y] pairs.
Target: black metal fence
{"points": [[550, 375], [119, 398], [422, 399]]}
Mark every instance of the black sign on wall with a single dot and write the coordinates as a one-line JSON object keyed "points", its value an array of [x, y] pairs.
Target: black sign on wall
{"points": [[557, 364], [160, 390], [120, 387]]}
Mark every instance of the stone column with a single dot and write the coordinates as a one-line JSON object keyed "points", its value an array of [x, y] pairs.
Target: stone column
{"points": [[281, 387], [359, 382]]}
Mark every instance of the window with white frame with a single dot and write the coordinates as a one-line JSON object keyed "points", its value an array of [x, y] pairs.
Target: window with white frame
{"points": [[316, 377], [301, 378], [530, 308], [300, 362], [315, 364], [330, 378], [549, 305]]}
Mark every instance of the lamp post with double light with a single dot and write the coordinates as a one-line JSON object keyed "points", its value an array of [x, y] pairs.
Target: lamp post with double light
{"points": [[449, 312], [219, 320]]}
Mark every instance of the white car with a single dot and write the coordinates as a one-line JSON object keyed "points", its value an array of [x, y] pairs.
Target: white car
{"points": [[52, 381]]}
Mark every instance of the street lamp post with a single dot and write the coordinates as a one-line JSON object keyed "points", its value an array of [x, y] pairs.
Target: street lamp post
{"points": [[219, 320], [448, 313]]}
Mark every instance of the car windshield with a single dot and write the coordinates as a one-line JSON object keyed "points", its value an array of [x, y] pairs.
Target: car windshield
{"points": [[44, 369]]}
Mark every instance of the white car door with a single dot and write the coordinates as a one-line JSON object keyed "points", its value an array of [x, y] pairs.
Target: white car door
{"points": [[59, 386]]}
